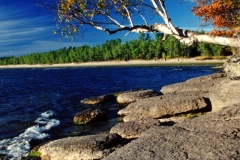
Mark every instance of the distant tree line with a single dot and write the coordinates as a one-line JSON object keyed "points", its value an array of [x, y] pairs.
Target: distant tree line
{"points": [[144, 48]]}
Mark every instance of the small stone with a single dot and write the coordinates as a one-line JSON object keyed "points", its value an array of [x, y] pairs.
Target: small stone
{"points": [[90, 116]]}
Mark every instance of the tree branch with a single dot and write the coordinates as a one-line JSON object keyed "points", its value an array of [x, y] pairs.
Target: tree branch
{"points": [[110, 18], [185, 36], [167, 21], [85, 14], [129, 16], [141, 16], [164, 15]]}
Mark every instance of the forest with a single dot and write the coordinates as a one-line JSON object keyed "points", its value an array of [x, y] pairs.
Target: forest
{"points": [[144, 48]]}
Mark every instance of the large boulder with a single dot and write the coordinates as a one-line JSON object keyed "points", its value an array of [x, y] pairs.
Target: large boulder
{"points": [[165, 105], [91, 115], [129, 97], [232, 66], [84, 147], [211, 136], [203, 84], [225, 93], [98, 100], [134, 128]]}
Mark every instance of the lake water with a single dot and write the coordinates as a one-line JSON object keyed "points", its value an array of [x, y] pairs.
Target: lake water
{"points": [[39, 104]]}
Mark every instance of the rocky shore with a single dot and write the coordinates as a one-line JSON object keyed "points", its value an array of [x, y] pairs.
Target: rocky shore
{"points": [[196, 119]]}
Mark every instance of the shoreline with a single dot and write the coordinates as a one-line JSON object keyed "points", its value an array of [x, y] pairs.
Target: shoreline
{"points": [[161, 62]]}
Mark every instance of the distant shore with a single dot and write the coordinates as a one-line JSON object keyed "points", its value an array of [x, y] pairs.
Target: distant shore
{"points": [[161, 62]]}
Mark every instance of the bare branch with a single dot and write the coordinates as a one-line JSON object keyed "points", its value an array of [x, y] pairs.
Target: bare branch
{"points": [[164, 15], [161, 2], [110, 18], [141, 15], [126, 34], [158, 9], [129, 16], [136, 28]]}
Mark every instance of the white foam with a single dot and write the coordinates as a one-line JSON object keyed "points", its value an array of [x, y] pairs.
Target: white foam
{"points": [[18, 147], [47, 114], [44, 117]]}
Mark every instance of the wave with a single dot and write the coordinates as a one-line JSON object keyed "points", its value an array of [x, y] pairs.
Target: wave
{"points": [[177, 69], [18, 147]]}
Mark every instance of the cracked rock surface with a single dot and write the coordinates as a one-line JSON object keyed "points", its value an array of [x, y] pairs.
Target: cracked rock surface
{"points": [[129, 97], [83, 147], [224, 122], [160, 106], [211, 136], [232, 66], [133, 129], [203, 84]]}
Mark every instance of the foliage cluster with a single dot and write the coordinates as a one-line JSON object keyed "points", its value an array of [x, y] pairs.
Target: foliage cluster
{"points": [[144, 48], [223, 14]]}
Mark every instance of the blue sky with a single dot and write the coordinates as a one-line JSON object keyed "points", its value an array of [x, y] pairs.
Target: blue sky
{"points": [[26, 28]]}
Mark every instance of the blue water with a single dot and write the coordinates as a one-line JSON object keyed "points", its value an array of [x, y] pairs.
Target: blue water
{"points": [[25, 94]]}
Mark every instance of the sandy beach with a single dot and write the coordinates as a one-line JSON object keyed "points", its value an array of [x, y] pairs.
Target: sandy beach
{"points": [[190, 61]]}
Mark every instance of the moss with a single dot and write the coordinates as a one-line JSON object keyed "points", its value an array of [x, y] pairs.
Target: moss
{"points": [[34, 154], [80, 122]]}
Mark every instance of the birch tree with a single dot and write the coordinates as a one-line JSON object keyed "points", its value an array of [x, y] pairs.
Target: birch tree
{"points": [[112, 16]]}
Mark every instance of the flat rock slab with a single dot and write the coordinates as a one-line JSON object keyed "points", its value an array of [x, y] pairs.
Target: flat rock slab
{"points": [[134, 128], [165, 105], [90, 116], [203, 84], [224, 122], [84, 147], [220, 90], [129, 97], [211, 136], [105, 98]]}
